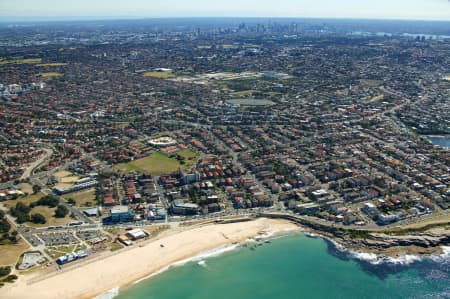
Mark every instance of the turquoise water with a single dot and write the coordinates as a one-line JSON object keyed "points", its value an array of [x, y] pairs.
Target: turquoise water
{"points": [[294, 267], [442, 141]]}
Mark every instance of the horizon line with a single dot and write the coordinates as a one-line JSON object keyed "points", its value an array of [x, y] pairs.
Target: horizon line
{"points": [[20, 19]]}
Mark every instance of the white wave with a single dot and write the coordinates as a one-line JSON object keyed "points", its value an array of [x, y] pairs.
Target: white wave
{"points": [[198, 258], [404, 259], [109, 294], [153, 274], [368, 257], [444, 257], [202, 263], [218, 251], [375, 259], [337, 245], [446, 250], [272, 235], [213, 253], [311, 235]]}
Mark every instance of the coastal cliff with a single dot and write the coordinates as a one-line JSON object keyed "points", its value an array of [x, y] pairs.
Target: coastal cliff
{"points": [[424, 241]]}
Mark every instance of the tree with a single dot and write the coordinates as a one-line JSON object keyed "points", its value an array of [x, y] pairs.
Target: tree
{"points": [[20, 208], [21, 212], [4, 225], [71, 201], [36, 189], [61, 211], [12, 238], [49, 200], [22, 218], [5, 270], [38, 218], [10, 278]]}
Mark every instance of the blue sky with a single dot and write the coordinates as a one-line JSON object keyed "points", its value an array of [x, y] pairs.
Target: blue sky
{"points": [[378, 9]]}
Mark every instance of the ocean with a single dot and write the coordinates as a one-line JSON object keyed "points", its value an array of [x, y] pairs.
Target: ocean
{"points": [[297, 266]]}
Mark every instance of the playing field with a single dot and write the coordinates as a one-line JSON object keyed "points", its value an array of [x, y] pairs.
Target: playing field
{"points": [[155, 164], [22, 61], [159, 163], [50, 75], [52, 64], [161, 75], [376, 99], [204, 47]]}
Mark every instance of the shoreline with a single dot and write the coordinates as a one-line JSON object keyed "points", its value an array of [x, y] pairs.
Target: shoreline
{"points": [[130, 266], [361, 253], [374, 259], [112, 272], [423, 242], [219, 251], [204, 255]]}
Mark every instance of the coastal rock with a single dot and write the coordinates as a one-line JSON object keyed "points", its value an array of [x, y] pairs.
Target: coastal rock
{"points": [[422, 240], [429, 241]]}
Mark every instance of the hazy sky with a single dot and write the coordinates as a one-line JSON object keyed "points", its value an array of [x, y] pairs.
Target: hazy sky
{"points": [[385, 9]]}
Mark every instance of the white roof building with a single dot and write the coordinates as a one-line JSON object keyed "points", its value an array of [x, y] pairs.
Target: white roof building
{"points": [[136, 234]]}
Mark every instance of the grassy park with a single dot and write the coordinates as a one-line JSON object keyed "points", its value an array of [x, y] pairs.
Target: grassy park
{"points": [[159, 75], [50, 75], [25, 200], [189, 154], [52, 64], [158, 163], [84, 198], [45, 211], [49, 214], [10, 253], [57, 251], [21, 61]]}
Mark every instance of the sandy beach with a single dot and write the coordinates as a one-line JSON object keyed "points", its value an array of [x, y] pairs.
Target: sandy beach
{"points": [[93, 278]]}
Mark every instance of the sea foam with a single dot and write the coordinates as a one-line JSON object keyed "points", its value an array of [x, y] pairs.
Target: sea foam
{"points": [[406, 259], [371, 258], [444, 257], [197, 258], [274, 234], [109, 294], [200, 258], [375, 259]]}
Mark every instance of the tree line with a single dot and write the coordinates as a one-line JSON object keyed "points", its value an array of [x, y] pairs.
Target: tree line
{"points": [[22, 211], [6, 237]]}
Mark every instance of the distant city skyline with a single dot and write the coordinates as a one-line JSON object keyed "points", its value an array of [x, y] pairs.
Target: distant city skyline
{"points": [[380, 9]]}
